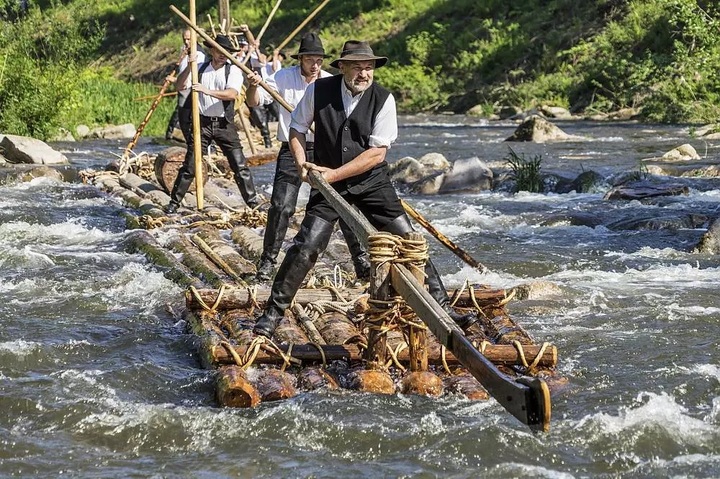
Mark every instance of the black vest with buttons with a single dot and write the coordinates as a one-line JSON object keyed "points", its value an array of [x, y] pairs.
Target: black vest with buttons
{"points": [[339, 139]]}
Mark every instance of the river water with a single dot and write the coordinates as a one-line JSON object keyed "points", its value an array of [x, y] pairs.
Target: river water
{"points": [[99, 378]]}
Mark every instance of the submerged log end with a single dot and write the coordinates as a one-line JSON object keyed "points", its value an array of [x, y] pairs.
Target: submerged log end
{"points": [[372, 381], [423, 383], [233, 389], [275, 385], [468, 386], [315, 378]]}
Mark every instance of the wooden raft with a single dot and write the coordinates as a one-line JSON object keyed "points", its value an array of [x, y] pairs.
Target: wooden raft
{"points": [[323, 340]]}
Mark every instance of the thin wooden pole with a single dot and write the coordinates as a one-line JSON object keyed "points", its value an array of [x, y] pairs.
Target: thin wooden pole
{"points": [[197, 143], [224, 14], [447, 242], [417, 336], [148, 115], [267, 22], [251, 46], [302, 25]]}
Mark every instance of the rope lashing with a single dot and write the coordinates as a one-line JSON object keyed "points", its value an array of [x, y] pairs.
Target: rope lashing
{"points": [[213, 308], [385, 247], [521, 353], [321, 351]]}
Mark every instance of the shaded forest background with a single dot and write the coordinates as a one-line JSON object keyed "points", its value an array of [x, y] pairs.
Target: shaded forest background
{"points": [[70, 62]]}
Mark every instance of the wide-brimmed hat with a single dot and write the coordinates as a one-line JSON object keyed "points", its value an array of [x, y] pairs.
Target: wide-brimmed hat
{"points": [[310, 44], [355, 50], [224, 42]]}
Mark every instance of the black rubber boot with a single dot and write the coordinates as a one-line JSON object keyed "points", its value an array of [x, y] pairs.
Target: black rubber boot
{"points": [[401, 226], [311, 240], [360, 257], [282, 207], [267, 140], [244, 179], [180, 188]]}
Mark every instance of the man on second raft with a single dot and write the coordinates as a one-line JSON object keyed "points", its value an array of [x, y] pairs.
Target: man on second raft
{"points": [[355, 124], [218, 86]]}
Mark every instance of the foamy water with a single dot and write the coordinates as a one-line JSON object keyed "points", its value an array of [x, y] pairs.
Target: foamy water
{"points": [[99, 378]]}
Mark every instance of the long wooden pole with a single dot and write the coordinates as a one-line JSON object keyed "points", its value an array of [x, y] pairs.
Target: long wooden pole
{"points": [[195, 96], [528, 399], [302, 25], [267, 22], [463, 255]]}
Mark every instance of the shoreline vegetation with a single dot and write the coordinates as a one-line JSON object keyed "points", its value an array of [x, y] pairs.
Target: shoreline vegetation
{"points": [[85, 62]]}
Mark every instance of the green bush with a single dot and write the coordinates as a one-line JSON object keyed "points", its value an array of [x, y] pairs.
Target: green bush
{"points": [[40, 56]]}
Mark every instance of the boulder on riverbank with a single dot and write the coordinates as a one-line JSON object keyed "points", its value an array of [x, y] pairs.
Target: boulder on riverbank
{"points": [[23, 149], [114, 132], [537, 129]]}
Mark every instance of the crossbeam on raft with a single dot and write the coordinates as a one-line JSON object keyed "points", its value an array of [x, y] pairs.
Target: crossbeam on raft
{"points": [[528, 399], [500, 354]]}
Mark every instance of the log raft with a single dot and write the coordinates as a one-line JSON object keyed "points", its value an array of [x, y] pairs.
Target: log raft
{"points": [[325, 341]]}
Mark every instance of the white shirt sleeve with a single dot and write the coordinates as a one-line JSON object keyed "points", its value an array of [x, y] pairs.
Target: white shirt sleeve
{"points": [[235, 79], [265, 97], [302, 115], [385, 130]]}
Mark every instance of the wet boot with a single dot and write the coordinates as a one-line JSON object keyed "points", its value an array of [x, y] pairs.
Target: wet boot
{"points": [[311, 240], [267, 140], [180, 188], [244, 180], [401, 226], [360, 257], [282, 207]]}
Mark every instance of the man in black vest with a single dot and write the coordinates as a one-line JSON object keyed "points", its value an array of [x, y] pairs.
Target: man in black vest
{"points": [[355, 124], [219, 84]]}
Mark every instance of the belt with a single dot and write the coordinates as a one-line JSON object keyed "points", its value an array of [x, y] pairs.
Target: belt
{"points": [[212, 119], [309, 145]]}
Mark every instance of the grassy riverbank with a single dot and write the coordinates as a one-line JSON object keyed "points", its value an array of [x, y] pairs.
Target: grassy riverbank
{"points": [[660, 57]]}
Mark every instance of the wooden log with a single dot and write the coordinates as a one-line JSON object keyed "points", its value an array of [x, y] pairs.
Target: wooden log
{"points": [[144, 188], [275, 385], [239, 265], [235, 298], [465, 384], [197, 262], [209, 342], [417, 336], [307, 324], [233, 389], [423, 383], [380, 290], [502, 329], [250, 243], [311, 379], [483, 296], [288, 331], [498, 354], [372, 381], [143, 242], [336, 328], [168, 163]]}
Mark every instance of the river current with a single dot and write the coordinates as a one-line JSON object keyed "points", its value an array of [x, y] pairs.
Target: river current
{"points": [[99, 378]]}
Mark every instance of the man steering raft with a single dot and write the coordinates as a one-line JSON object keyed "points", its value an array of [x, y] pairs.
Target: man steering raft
{"points": [[291, 84], [219, 84], [355, 124]]}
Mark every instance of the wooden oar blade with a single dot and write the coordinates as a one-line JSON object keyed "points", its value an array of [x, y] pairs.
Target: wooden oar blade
{"points": [[519, 398]]}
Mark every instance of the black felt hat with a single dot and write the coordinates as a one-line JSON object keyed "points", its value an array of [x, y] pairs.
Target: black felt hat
{"points": [[355, 50], [224, 42], [310, 44]]}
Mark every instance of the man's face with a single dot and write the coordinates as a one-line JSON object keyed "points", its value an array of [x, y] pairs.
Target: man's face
{"points": [[358, 74], [310, 65], [217, 56], [186, 38]]}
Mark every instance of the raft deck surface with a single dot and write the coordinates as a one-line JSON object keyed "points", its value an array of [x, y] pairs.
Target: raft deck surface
{"points": [[322, 343]]}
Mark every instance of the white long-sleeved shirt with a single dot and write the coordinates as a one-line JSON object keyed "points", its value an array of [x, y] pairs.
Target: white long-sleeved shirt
{"points": [[385, 129], [291, 85]]}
